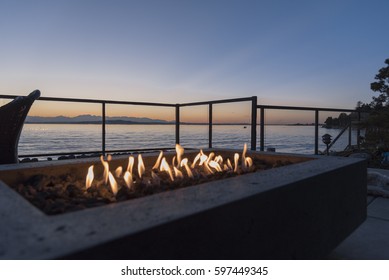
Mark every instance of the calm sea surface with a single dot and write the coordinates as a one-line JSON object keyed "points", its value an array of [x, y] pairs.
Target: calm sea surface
{"points": [[55, 138]]}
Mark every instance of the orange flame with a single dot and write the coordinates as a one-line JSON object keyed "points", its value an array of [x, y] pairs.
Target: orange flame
{"points": [[141, 166], [236, 159], [210, 164], [249, 162], [184, 163], [118, 171], [244, 150], [130, 166], [215, 165], [207, 169], [165, 167], [229, 165], [113, 184], [177, 173], [196, 159], [174, 161], [244, 164], [158, 162], [179, 152], [203, 158], [128, 179], [206, 166], [219, 159], [89, 177], [210, 157], [106, 169]]}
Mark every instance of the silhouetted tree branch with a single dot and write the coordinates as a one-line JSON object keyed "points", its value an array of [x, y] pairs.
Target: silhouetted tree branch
{"points": [[381, 85]]}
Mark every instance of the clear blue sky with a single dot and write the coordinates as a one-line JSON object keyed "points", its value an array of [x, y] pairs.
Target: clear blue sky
{"points": [[308, 53]]}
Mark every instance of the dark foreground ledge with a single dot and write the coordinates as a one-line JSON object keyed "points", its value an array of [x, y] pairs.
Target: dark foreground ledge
{"points": [[300, 211]]}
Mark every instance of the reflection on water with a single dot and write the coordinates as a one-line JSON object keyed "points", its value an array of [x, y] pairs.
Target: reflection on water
{"points": [[54, 138]]}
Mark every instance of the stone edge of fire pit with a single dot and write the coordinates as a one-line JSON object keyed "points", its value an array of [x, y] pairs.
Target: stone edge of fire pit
{"points": [[27, 233]]}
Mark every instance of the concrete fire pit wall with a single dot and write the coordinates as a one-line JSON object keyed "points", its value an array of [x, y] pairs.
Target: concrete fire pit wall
{"points": [[300, 211]]}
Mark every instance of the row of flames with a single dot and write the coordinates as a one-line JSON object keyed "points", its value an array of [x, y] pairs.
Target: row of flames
{"points": [[179, 167]]}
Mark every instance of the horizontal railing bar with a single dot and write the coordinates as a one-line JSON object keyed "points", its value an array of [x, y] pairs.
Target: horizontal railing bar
{"points": [[140, 150], [216, 101], [148, 149], [99, 101], [140, 103], [93, 152], [82, 100], [305, 108], [60, 154]]}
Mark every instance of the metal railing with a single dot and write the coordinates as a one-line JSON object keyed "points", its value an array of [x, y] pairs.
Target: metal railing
{"points": [[177, 120], [103, 120], [317, 110], [253, 122], [210, 104]]}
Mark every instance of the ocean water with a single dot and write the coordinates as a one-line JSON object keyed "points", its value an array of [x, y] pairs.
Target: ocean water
{"points": [[58, 138]]}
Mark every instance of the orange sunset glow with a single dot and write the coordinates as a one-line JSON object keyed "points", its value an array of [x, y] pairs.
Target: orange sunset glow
{"points": [[222, 113]]}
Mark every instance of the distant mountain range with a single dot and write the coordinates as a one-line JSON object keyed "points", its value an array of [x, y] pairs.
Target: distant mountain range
{"points": [[92, 119]]}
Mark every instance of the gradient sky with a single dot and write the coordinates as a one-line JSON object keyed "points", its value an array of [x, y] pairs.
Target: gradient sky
{"points": [[305, 53]]}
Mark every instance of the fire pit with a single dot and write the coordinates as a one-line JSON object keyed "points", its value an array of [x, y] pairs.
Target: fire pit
{"points": [[301, 210], [108, 182]]}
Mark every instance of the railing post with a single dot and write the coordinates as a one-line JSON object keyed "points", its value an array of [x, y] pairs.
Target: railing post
{"points": [[349, 135], [254, 104], [262, 130], [210, 126], [316, 132], [359, 131], [103, 128], [177, 123]]}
